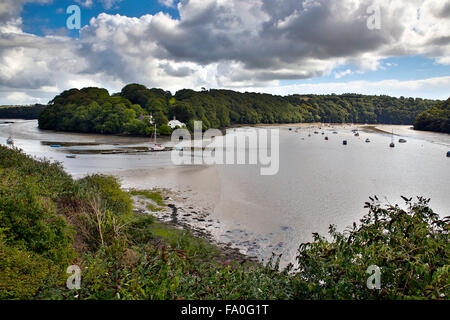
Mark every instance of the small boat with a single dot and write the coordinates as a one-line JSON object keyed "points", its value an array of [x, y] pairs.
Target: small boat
{"points": [[315, 132], [401, 140], [157, 147], [309, 135], [10, 141], [326, 138], [55, 146], [344, 142], [290, 129], [448, 154], [334, 132], [367, 140], [392, 145], [72, 156], [357, 134]]}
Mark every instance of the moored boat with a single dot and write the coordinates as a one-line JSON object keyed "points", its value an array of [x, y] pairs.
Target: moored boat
{"points": [[392, 145], [367, 140], [344, 142], [401, 140], [10, 141], [157, 147]]}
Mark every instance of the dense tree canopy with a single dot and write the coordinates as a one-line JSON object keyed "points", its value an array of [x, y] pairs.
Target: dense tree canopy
{"points": [[21, 112], [437, 118], [94, 110]]}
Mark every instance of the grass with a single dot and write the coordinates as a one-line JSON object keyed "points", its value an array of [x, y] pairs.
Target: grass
{"points": [[153, 208], [183, 240], [154, 195]]}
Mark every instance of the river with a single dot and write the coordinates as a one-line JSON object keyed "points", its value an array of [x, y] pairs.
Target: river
{"points": [[319, 182]]}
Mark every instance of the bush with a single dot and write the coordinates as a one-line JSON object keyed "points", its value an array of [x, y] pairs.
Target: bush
{"points": [[22, 273], [108, 188], [410, 247], [165, 130]]}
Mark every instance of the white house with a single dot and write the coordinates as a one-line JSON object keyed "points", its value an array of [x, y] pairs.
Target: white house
{"points": [[175, 123]]}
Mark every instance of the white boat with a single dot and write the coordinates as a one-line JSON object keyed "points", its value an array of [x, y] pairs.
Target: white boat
{"points": [[10, 141], [156, 146]]}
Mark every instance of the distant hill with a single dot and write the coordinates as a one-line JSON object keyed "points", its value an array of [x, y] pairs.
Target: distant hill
{"points": [[437, 118], [21, 112], [94, 110]]}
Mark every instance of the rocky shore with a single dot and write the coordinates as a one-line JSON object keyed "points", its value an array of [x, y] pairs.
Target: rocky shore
{"points": [[180, 214]]}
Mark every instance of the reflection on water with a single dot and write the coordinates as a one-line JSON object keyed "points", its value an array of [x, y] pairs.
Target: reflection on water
{"points": [[320, 182]]}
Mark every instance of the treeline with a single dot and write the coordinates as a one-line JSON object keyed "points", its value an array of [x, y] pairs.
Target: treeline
{"points": [[94, 110], [21, 112], [437, 118]]}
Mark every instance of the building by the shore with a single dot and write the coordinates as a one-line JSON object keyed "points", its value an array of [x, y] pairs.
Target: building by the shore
{"points": [[176, 123]]}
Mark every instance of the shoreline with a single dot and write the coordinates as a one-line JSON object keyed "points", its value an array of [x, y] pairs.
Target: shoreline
{"points": [[181, 214]]}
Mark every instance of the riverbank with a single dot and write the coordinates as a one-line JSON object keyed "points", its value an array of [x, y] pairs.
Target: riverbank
{"points": [[49, 221], [174, 210]]}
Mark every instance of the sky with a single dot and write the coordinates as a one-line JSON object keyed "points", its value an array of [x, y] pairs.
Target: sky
{"points": [[381, 47]]}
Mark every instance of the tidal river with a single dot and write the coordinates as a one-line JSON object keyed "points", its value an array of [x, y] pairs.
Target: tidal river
{"points": [[319, 182]]}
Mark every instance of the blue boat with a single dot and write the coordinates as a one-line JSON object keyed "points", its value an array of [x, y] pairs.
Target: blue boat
{"points": [[55, 146]]}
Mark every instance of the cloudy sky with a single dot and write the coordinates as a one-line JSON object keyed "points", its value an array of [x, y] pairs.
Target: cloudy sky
{"points": [[394, 47]]}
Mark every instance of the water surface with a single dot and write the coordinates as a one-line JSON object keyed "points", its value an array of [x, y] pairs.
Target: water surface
{"points": [[319, 182]]}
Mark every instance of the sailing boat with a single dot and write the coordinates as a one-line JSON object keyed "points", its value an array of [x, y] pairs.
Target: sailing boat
{"points": [[392, 145], [156, 146]]}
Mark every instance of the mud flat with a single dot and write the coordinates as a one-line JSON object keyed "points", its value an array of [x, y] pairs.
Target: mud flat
{"points": [[181, 214]]}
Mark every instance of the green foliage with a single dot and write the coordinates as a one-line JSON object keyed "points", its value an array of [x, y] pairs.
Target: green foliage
{"points": [[154, 195], [93, 110], [28, 216], [127, 255], [410, 247], [21, 112], [437, 118], [108, 188], [165, 130], [22, 273]]}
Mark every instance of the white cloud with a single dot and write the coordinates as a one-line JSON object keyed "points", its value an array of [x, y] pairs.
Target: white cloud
{"points": [[341, 74], [168, 3], [225, 44], [431, 88], [85, 3]]}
